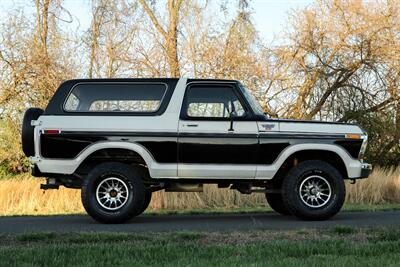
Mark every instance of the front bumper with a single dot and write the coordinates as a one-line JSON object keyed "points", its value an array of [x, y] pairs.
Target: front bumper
{"points": [[366, 170]]}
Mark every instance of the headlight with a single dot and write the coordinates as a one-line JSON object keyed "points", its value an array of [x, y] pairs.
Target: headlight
{"points": [[363, 146]]}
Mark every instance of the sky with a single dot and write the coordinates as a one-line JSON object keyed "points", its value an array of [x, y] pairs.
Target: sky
{"points": [[269, 16]]}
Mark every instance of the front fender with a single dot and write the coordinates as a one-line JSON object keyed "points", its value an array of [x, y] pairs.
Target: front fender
{"points": [[353, 166]]}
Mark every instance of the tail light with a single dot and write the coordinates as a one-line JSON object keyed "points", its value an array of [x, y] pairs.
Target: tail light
{"points": [[51, 131]]}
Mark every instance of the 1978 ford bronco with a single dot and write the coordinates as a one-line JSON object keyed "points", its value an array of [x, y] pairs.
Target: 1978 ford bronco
{"points": [[119, 140]]}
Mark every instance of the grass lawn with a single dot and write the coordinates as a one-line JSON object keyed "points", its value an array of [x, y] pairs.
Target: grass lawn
{"points": [[340, 246]]}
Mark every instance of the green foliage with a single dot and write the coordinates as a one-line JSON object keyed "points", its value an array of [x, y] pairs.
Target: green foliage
{"points": [[383, 138], [12, 159]]}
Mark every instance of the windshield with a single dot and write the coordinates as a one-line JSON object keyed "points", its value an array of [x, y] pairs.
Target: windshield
{"points": [[255, 105]]}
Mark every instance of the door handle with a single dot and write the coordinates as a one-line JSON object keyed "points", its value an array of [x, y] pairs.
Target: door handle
{"points": [[192, 125]]}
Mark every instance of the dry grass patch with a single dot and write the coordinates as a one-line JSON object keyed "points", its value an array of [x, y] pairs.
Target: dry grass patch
{"points": [[22, 196], [383, 186]]}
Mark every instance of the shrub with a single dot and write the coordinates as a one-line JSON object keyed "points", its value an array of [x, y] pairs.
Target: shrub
{"points": [[12, 159]]}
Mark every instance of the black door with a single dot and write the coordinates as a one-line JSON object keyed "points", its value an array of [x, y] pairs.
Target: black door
{"points": [[206, 136]]}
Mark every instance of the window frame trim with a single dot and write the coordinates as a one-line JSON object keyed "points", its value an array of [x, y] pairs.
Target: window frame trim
{"points": [[249, 114], [117, 113]]}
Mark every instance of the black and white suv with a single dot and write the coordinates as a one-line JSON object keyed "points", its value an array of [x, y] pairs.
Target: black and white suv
{"points": [[119, 140]]}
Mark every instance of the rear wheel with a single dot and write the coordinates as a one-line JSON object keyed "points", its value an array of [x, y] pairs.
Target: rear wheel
{"points": [[113, 193], [313, 190], [146, 203], [144, 172], [276, 203]]}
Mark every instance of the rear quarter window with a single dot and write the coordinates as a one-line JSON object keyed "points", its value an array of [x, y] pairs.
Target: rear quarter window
{"points": [[115, 97]]}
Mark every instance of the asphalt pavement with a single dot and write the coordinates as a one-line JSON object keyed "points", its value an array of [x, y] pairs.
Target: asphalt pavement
{"points": [[215, 222]]}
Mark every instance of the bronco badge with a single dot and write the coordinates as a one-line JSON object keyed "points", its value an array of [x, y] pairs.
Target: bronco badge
{"points": [[268, 127]]}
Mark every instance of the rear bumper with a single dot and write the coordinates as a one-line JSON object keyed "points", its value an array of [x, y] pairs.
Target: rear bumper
{"points": [[36, 172]]}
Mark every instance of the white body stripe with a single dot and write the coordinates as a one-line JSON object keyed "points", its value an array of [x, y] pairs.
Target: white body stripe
{"points": [[310, 127]]}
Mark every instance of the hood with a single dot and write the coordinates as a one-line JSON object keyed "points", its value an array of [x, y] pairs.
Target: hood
{"points": [[306, 126], [309, 126]]}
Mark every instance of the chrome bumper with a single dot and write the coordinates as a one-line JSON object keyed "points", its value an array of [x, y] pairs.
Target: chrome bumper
{"points": [[366, 170]]}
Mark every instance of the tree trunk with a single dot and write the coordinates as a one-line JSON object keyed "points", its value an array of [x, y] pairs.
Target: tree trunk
{"points": [[170, 35], [172, 40], [43, 27]]}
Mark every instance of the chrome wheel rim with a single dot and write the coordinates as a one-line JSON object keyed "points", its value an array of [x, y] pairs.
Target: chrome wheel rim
{"points": [[112, 193], [315, 191]]}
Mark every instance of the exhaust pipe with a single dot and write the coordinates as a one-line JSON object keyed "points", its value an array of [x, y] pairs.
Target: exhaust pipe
{"points": [[177, 187]]}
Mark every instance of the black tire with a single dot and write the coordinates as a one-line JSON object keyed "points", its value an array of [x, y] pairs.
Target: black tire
{"points": [[129, 176], [144, 172], [27, 133], [275, 201], [301, 176], [146, 203]]}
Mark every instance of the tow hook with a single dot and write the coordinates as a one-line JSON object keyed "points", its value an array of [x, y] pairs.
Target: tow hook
{"points": [[51, 183], [352, 181]]}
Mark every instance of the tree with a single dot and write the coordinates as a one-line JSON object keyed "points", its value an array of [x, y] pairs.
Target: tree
{"points": [[333, 46], [227, 50], [339, 61], [169, 33], [110, 38], [34, 60]]}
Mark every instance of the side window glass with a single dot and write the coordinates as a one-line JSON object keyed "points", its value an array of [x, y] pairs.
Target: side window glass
{"points": [[124, 105], [207, 101], [115, 97], [72, 102], [213, 110], [238, 109]]}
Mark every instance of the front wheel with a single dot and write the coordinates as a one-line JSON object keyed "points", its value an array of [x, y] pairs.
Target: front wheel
{"points": [[313, 190], [113, 193]]}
